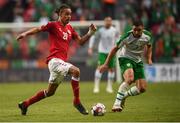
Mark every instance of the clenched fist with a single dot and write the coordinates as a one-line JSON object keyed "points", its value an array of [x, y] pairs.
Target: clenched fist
{"points": [[92, 29]]}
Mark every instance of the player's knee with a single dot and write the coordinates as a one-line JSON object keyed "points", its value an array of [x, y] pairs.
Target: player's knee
{"points": [[129, 79], [76, 72], [129, 76]]}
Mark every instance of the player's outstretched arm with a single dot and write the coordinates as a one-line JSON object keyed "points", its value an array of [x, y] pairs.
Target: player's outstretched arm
{"points": [[28, 32], [92, 30], [110, 55], [149, 54]]}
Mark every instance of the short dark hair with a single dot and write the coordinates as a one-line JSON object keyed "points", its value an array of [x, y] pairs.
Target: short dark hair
{"points": [[137, 22], [61, 8]]}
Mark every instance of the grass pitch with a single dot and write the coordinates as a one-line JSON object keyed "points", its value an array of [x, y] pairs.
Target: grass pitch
{"points": [[161, 102]]}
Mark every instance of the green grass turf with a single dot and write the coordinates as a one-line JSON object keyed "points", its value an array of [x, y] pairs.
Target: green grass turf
{"points": [[160, 103]]}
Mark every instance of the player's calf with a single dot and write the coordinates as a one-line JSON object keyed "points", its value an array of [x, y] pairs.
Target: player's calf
{"points": [[141, 85], [50, 93], [142, 88]]}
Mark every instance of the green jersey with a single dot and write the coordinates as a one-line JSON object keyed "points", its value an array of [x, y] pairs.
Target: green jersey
{"points": [[132, 47]]}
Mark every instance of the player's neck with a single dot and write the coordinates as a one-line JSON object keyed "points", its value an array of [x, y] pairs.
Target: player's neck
{"points": [[136, 36], [64, 24]]}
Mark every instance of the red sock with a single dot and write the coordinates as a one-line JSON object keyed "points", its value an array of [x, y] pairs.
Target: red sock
{"points": [[75, 87], [37, 97]]}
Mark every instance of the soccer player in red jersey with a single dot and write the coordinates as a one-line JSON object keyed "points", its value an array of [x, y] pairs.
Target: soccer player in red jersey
{"points": [[60, 35]]}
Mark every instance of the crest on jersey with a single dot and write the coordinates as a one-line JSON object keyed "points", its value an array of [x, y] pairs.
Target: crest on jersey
{"points": [[128, 64], [139, 42]]}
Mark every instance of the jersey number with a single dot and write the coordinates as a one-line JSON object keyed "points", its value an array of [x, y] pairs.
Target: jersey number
{"points": [[65, 36]]}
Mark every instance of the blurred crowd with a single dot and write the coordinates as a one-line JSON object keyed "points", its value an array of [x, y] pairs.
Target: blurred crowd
{"points": [[161, 17]]}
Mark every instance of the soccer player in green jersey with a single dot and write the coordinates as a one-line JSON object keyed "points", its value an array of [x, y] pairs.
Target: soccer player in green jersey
{"points": [[131, 45], [106, 37]]}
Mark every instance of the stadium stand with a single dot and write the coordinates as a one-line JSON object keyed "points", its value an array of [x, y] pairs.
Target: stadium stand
{"points": [[161, 17]]}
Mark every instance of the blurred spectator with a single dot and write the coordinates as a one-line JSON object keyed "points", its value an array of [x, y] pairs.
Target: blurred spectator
{"points": [[44, 17], [174, 8], [159, 49], [128, 25], [109, 8], [29, 12], [42, 47], [3, 45], [18, 12], [7, 10], [32, 43]]}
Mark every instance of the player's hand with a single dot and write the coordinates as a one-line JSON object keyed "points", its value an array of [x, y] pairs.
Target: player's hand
{"points": [[149, 61], [90, 51], [103, 68], [92, 29], [21, 36]]}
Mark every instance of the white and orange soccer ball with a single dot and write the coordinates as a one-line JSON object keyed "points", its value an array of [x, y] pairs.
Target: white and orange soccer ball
{"points": [[98, 109]]}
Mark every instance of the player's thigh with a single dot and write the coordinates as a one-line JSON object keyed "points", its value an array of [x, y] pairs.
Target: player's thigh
{"points": [[102, 58], [58, 69], [139, 71], [126, 70]]}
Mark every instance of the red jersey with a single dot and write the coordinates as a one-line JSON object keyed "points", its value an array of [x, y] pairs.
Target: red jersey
{"points": [[59, 37]]}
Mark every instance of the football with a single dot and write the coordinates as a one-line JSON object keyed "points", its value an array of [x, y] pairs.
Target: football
{"points": [[98, 109]]}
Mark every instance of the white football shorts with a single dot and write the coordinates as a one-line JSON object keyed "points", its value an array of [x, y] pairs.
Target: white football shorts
{"points": [[58, 69]]}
